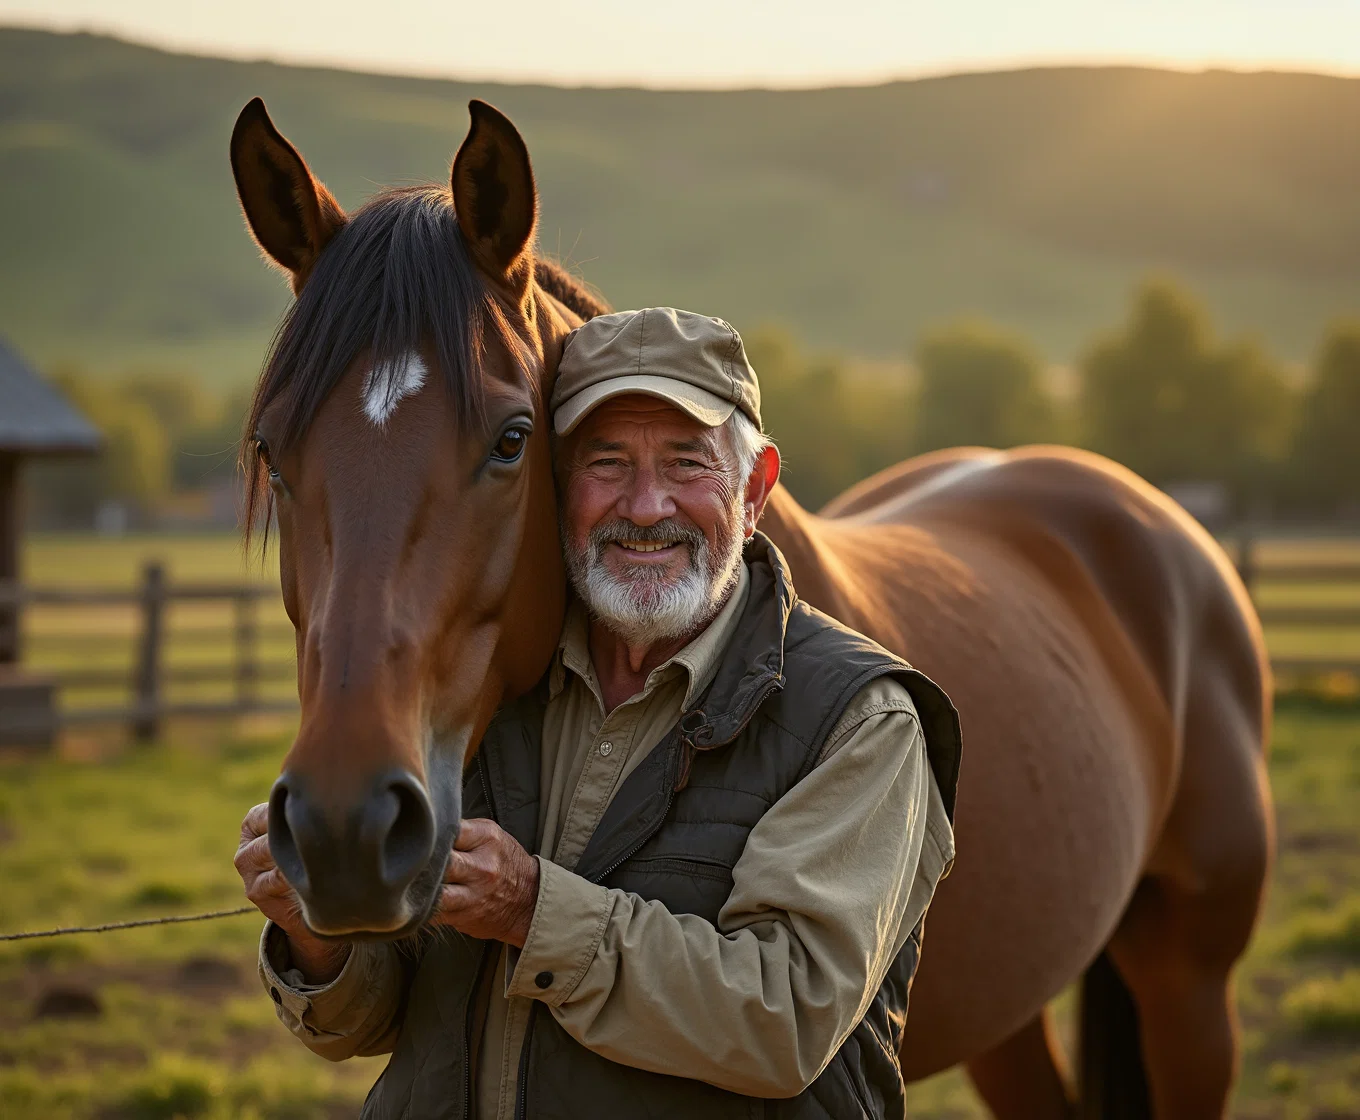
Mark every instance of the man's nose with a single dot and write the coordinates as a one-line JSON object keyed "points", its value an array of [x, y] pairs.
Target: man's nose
{"points": [[647, 501]]}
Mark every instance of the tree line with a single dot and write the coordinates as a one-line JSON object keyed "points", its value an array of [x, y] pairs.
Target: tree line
{"points": [[1162, 392]]}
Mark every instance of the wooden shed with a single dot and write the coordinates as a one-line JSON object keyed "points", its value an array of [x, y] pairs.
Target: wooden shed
{"points": [[35, 420]]}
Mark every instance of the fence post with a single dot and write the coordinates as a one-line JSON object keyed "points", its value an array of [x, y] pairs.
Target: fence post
{"points": [[1246, 562], [247, 663], [146, 720], [9, 556]]}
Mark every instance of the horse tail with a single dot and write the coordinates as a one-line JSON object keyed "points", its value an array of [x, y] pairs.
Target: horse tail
{"points": [[1112, 1081]]}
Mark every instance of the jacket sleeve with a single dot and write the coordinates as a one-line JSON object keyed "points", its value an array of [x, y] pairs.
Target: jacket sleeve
{"points": [[832, 880], [356, 1014]]}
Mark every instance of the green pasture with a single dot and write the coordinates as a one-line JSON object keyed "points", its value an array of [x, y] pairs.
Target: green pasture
{"points": [[183, 1028]]}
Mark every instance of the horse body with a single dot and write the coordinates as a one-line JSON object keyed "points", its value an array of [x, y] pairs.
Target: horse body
{"points": [[1110, 675], [1113, 689]]}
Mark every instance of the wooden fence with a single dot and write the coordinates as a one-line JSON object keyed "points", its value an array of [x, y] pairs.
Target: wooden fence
{"points": [[243, 674], [246, 674], [1322, 619]]}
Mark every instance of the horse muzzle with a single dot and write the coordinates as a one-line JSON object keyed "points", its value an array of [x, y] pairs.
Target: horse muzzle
{"points": [[364, 870]]}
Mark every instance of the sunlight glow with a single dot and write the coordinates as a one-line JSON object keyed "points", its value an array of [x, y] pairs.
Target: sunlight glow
{"points": [[728, 42]]}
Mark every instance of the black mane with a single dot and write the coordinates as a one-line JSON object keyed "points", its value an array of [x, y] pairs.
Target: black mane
{"points": [[570, 290]]}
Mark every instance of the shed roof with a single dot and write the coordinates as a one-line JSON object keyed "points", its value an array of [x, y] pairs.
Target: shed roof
{"points": [[35, 419]]}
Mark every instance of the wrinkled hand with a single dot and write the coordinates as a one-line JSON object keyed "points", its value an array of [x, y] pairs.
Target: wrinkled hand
{"points": [[320, 961], [490, 885]]}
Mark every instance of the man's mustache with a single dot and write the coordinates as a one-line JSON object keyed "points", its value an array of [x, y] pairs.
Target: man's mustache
{"points": [[668, 531]]}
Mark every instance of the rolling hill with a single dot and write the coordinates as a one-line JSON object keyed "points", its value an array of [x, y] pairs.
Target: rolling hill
{"points": [[854, 215]]}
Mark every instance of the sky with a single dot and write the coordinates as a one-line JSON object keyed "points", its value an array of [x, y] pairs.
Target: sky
{"points": [[723, 43]]}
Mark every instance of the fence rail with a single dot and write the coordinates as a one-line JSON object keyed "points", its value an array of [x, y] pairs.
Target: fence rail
{"points": [[1260, 574], [244, 674], [249, 671]]}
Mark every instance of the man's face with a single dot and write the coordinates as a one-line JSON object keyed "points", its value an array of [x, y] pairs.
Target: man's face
{"points": [[652, 518]]}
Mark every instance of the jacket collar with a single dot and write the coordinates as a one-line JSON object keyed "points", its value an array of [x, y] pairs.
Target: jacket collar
{"points": [[753, 664]]}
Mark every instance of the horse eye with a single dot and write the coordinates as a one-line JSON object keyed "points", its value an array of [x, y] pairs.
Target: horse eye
{"points": [[511, 445], [262, 453]]}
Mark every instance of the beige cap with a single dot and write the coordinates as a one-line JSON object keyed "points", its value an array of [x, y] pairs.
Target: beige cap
{"points": [[694, 362]]}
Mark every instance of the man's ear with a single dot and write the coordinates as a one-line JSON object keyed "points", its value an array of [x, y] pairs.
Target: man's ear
{"points": [[292, 215], [764, 475], [494, 196]]}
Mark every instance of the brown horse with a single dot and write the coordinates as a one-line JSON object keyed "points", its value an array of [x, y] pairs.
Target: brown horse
{"points": [[1113, 817]]}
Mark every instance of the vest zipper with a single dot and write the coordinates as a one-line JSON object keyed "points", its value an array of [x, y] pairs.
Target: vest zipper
{"points": [[522, 1087], [685, 744], [633, 850], [471, 1013], [486, 787], [468, 1020]]}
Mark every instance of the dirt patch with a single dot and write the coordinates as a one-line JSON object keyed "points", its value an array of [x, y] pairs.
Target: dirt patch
{"points": [[209, 976], [67, 1001], [1312, 840], [206, 976]]}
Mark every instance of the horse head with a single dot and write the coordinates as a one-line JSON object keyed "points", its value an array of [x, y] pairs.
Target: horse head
{"points": [[399, 435]]}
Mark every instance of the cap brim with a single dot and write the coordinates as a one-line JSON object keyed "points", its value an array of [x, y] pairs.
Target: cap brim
{"points": [[707, 408]]}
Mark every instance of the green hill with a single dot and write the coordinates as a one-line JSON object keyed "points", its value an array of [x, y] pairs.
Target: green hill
{"points": [[853, 215]]}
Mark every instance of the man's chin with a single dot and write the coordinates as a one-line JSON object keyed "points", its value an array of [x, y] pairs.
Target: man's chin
{"points": [[647, 582]]}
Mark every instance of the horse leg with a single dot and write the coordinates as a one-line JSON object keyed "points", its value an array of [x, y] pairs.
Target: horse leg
{"points": [[1176, 954], [1025, 1076], [1192, 915]]}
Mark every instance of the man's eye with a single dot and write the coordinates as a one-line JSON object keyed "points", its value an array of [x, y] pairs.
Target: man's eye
{"points": [[511, 445]]}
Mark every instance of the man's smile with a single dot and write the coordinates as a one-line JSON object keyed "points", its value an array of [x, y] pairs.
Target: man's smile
{"points": [[652, 550]]}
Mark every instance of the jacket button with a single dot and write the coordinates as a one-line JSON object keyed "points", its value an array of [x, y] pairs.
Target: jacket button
{"points": [[544, 979], [606, 749]]}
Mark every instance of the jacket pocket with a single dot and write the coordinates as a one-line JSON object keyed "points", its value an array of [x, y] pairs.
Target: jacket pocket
{"points": [[694, 866]]}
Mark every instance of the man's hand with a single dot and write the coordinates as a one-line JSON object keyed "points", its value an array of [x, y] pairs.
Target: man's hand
{"points": [[319, 961], [490, 885]]}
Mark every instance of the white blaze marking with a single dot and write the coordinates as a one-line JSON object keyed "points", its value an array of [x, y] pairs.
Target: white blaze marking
{"points": [[387, 385]]}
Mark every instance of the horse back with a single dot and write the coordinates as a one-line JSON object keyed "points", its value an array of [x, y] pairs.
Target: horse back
{"points": [[1072, 613], [1131, 567]]}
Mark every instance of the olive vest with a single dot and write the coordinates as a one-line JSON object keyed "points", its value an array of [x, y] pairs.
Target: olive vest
{"points": [[673, 833]]}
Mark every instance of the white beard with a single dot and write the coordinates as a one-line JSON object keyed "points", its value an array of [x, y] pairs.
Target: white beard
{"points": [[645, 606]]}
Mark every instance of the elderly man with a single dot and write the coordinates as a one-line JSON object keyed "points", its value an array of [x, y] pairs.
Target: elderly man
{"points": [[731, 801]]}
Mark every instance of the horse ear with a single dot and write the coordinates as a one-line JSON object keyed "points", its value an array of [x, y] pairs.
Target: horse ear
{"points": [[291, 214], [494, 194]]}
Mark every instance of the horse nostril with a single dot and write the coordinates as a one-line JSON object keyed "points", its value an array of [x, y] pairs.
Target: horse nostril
{"points": [[282, 843], [405, 849]]}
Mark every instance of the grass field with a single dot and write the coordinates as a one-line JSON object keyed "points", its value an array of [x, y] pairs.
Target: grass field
{"points": [[105, 831], [184, 1030]]}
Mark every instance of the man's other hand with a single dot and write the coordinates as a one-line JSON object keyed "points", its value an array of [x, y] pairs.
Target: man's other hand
{"points": [[490, 885], [319, 961]]}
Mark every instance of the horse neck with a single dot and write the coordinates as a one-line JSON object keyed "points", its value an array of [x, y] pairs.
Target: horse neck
{"points": [[801, 537], [553, 320]]}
